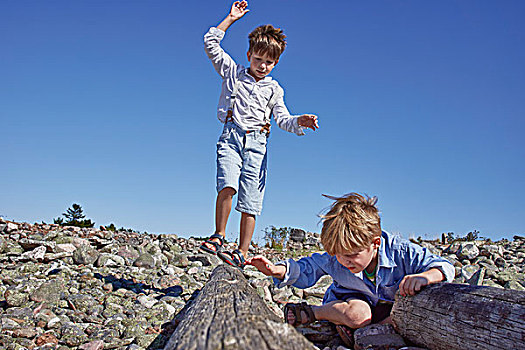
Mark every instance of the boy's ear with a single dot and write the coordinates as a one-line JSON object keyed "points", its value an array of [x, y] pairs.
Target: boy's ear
{"points": [[249, 54], [376, 242]]}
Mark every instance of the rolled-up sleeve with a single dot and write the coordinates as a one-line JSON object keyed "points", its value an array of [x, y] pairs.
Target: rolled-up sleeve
{"points": [[304, 272], [421, 259]]}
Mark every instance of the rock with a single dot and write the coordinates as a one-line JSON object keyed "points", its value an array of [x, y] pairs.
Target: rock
{"points": [[46, 339], [377, 336], [297, 235], [48, 292], [93, 345], [145, 260], [468, 271], [85, 255], [477, 278], [106, 259], [10, 227], [467, 251], [319, 288], [36, 254]]}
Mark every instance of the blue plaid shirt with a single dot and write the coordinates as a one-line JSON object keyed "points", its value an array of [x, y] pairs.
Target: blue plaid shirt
{"points": [[397, 258]]}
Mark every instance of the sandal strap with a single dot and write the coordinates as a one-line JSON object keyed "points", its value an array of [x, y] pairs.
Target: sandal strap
{"points": [[309, 312], [239, 260], [218, 236]]}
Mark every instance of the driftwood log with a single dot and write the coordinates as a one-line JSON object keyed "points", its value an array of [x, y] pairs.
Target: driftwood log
{"points": [[457, 316], [229, 314]]}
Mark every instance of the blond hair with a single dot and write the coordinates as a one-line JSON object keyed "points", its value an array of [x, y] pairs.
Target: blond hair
{"points": [[267, 39], [351, 223]]}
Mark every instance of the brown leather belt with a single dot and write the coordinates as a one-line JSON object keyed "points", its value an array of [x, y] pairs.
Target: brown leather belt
{"points": [[265, 128]]}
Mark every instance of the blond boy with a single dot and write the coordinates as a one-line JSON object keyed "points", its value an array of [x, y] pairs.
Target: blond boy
{"points": [[367, 265]]}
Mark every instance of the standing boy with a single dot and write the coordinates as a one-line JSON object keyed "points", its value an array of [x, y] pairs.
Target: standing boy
{"points": [[248, 99], [367, 265]]}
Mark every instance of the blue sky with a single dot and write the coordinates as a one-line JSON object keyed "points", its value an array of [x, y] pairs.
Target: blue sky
{"points": [[112, 104]]}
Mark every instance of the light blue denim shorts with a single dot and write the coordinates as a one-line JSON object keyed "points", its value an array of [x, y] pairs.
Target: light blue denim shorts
{"points": [[241, 165]]}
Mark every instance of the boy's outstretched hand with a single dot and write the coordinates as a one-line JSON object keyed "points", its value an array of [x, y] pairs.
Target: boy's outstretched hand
{"points": [[267, 267], [308, 121], [239, 9]]}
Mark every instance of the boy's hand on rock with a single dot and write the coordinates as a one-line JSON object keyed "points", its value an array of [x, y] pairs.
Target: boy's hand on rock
{"points": [[239, 9], [411, 284], [308, 121], [267, 267]]}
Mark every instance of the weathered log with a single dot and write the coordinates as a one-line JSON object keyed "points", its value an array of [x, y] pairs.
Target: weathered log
{"points": [[229, 314], [457, 316]]}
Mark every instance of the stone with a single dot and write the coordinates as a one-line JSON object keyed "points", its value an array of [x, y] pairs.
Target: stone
{"points": [[377, 336], [93, 345], [85, 255], [477, 278], [145, 260], [48, 292], [106, 259], [468, 271], [46, 339], [36, 254], [297, 235], [65, 248], [467, 251], [10, 227], [319, 289]]}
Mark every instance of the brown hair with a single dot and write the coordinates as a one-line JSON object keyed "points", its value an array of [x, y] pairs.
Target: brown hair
{"points": [[351, 223], [267, 39]]}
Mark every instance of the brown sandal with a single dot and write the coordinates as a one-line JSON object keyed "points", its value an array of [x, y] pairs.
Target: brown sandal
{"points": [[296, 309]]}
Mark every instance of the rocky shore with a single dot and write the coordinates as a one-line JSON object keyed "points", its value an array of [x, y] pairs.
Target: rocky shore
{"points": [[85, 288]]}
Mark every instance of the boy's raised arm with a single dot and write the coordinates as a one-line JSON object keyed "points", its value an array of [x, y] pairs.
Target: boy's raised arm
{"points": [[239, 9]]}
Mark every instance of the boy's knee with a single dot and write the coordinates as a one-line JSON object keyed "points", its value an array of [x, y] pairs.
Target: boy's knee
{"points": [[358, 314], [228, 191]]}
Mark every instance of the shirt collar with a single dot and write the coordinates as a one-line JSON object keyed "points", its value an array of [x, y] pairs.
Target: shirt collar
{"points": [[386, 257], [266, 79]]}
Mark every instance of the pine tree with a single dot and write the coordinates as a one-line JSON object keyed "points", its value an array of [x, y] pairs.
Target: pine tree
{"points": [[75, 217], [75, 213]]}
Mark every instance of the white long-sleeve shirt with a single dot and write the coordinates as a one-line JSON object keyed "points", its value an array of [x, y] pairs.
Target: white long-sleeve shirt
{"points": [[252, 96]]}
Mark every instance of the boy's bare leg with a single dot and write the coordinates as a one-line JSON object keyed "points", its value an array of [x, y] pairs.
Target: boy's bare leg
{"points": [[223, 208], [353, 313], [247, 228]]}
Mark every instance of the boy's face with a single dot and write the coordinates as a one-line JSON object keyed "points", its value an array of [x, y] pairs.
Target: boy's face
{"points": [[260, 65], [357, 261]]}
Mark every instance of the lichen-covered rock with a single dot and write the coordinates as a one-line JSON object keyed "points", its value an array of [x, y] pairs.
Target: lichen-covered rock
{"points": [[145, 260], [85, 255], [48, 292]]}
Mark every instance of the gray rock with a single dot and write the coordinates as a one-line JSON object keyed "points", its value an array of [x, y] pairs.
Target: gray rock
{"points": [[468, 271], [48, 292], [297, 235], [477, 277], [145, 260], [110, 260], [378, 337], [467, 250], [85, 255]]}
